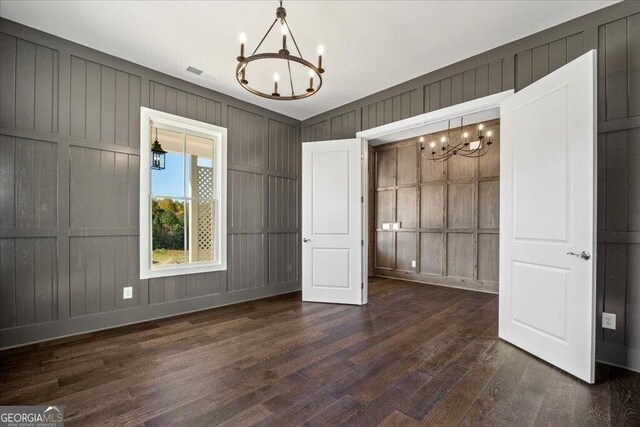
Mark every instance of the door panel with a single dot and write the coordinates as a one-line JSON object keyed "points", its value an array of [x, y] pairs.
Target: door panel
{"points": [[540, 286], [547, 211], [335, 277], [329, 177], [332, 222], [542, 198]]}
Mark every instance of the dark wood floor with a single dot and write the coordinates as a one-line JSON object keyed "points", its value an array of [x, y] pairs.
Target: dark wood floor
{"points": [[417, 354]]}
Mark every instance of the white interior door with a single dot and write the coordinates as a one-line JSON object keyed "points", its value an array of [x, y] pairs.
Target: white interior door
{"points": [[547, 212], [332, 222]]}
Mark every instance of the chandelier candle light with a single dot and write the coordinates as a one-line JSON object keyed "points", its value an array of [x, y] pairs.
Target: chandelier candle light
{"points": [[465, 148], [284, 55]]}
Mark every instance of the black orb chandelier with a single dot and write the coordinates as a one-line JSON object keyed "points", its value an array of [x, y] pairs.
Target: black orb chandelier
{"points": [[469, 146], [243, 74]]}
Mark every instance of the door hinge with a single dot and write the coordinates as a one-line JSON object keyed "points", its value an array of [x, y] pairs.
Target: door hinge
{"points": [[361, 242], [361, 199], [361, 285], [361, 156]]}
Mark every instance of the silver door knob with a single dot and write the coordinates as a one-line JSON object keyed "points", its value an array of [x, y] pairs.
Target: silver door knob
{"points": [[306, 240], [584, 255]]}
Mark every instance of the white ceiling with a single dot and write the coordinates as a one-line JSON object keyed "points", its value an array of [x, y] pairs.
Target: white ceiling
{"points": [[370, 45]]}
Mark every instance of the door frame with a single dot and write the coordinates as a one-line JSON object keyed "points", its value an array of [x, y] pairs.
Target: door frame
{"points": [[403, 129]]}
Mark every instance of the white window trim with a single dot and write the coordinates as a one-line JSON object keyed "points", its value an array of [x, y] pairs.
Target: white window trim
{"points": [[219, 135]]}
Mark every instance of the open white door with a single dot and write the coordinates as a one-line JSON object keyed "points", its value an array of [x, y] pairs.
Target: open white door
{"points": [[332, 222], [547, 218]]}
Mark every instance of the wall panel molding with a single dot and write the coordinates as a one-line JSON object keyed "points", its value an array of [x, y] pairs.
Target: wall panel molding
{"points": [[41, 332], [84, 150], [29, 84], [615, 32], [619, 48], [448, 215], [587, 25]]}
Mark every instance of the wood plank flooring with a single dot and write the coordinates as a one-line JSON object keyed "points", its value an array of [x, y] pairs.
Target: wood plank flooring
{"points": [[415, 355]]}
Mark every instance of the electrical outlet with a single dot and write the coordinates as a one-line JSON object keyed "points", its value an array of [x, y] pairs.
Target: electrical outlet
{"points": [[413, 263], [609, 320], [127, 292]]}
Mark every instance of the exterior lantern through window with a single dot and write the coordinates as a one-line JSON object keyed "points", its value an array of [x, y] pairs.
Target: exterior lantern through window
{"points": [[157, 154]]}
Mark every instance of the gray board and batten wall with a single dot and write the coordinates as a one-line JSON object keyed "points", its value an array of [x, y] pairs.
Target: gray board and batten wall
{"points": [[615, 32], [69, 192], [51, 251]]}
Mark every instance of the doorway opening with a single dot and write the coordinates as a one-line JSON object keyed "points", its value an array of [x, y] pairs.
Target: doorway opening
{"points": [[434, 221], [546, 237]]}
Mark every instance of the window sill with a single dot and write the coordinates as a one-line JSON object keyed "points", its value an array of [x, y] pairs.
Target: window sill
{"points": [[182, 270]]}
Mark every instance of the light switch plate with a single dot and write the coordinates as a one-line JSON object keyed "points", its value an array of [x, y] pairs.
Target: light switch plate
{"points": [[127, 292], [386, 226], [413, 263], [396, 226], [609, 321]]}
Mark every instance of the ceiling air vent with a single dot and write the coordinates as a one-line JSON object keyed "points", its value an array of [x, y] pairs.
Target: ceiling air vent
{"points": [[194, 70], [198, 72]]}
